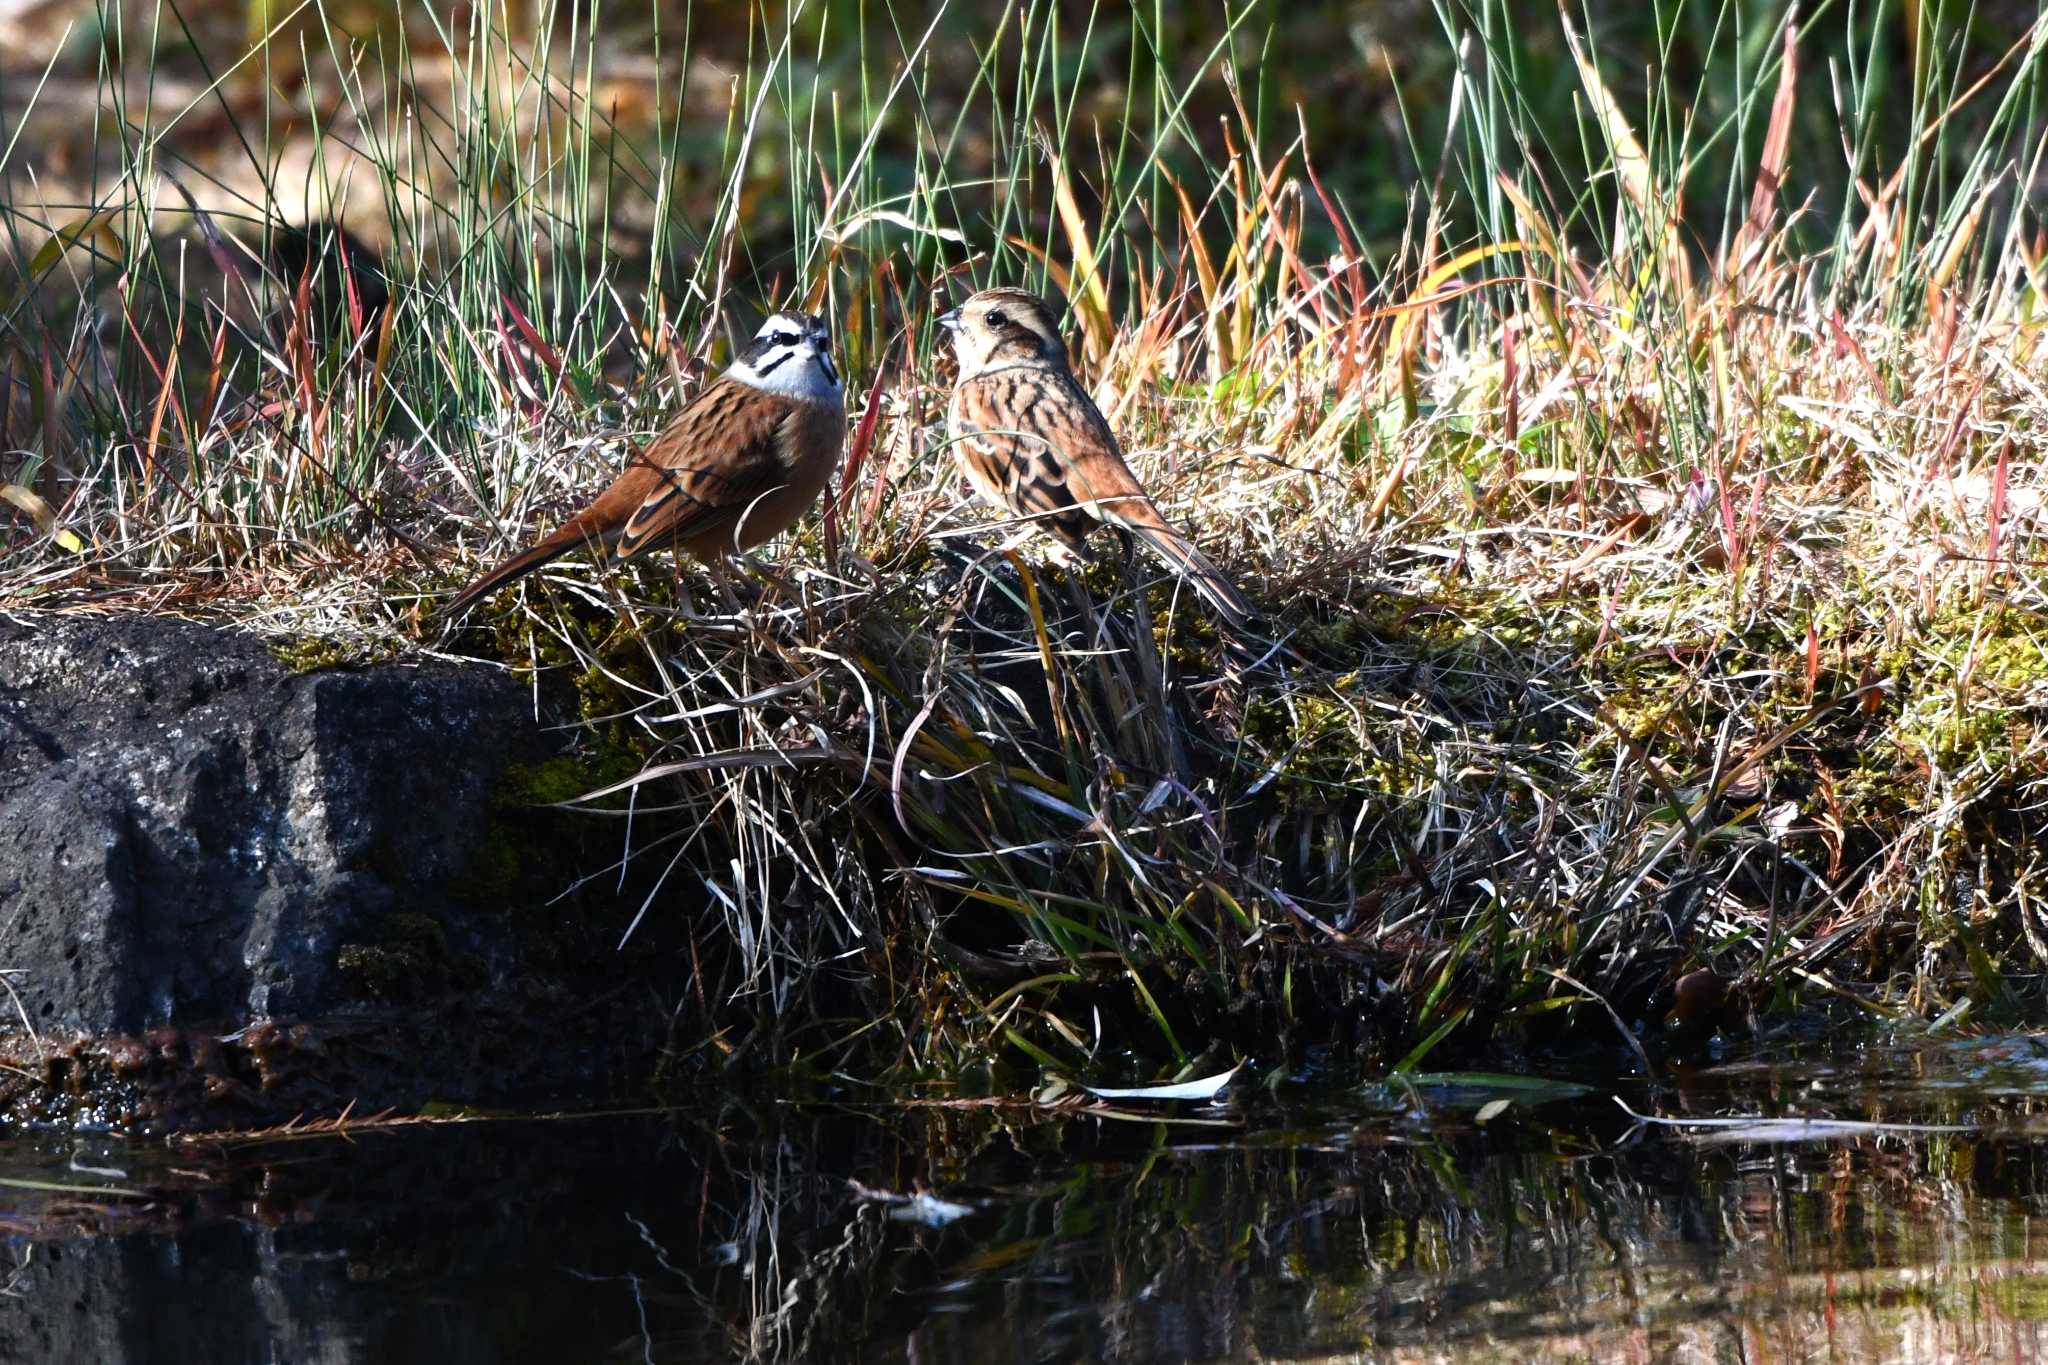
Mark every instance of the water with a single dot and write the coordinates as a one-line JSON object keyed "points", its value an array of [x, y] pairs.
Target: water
{"points": [[1302, 1222]]}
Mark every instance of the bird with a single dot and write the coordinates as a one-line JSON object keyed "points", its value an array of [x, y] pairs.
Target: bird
{"points": [[346, 284], [335, 264], [1033, 443], [740, 463]]}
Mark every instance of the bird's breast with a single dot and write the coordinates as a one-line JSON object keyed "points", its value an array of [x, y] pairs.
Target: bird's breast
{"points": [[813, 434]]}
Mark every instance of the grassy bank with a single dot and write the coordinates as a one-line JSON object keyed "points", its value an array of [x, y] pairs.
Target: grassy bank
{"points": [[1653, 563]]}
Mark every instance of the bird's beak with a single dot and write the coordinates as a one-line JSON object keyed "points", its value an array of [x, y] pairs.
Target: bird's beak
{"points": [[950, 320]]}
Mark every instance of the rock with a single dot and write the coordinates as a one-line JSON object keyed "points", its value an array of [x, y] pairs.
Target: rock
{"points": [[195, 839]]}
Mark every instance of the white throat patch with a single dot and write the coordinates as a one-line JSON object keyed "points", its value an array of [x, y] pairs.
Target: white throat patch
{"points": [[792, 372]]}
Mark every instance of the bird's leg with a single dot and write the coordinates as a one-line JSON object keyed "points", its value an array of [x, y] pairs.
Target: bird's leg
{"points": [[728, 586], [1127, 560], [1018, 540], [685, 608], [1130, 548], [1074, 556], [1096, 619]]}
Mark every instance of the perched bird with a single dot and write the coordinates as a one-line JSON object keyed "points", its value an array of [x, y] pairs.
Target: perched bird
{"points": [[1032, 442], [346, 284], [738, 464]]}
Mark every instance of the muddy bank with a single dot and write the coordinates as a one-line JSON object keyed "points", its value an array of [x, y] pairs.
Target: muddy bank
{"points": [[233, 889]]}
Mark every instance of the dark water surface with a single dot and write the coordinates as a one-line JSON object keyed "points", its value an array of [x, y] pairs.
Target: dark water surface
{"points": [[1295, 1221]]}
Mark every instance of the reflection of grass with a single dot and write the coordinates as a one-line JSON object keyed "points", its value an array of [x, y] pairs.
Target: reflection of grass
{"points": [[1151, 1242], [1650, 604]]}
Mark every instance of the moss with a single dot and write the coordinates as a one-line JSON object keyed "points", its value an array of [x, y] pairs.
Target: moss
{"points": [[1642, 704], [510, 857], [562, 778], [1956, 734], [2013, 662], [314, 654], [408, 959], [1956, 682], [609, 672], [496, 869], [1316, 737]]}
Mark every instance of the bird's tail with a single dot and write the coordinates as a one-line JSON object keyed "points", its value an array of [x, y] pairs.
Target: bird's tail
{"points": [[512, 570], [1176, 549]]}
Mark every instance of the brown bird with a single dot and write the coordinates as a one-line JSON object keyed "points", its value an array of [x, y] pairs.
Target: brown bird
{"points": [[737, 465], [1033, 443]]}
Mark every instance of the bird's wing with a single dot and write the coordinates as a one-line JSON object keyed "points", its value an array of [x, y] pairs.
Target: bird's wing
{"points": [[1034, 443], [1037, 443], [1099, 479], [713, 460]]}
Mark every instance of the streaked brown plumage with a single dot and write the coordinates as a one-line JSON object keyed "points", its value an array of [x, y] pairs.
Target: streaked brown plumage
{"points": [[739, 464], [1033, 443]]}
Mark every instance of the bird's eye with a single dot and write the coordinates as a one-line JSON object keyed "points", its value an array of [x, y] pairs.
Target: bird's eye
{"points": [[998, 320], [784, 339]]}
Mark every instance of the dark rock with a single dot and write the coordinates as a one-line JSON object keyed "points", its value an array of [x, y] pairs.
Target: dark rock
{"points": [[194, 839]]}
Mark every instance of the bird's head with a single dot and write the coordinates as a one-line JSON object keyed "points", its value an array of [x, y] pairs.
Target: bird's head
{"points": [[791, 355], [1000, 327]]}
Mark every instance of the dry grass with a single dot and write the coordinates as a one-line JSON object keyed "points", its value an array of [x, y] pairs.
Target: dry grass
{"points": [[1639, 608]]}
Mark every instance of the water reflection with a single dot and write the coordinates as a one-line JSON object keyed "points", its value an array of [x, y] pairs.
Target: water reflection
{"points": [[1365, 1225]]}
